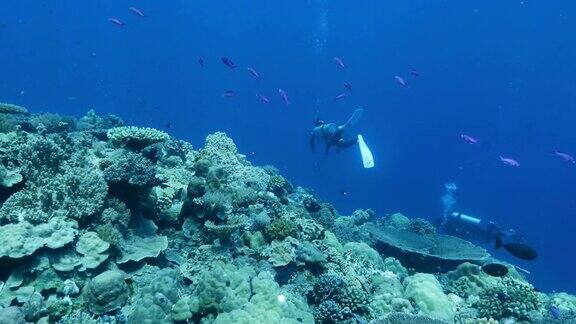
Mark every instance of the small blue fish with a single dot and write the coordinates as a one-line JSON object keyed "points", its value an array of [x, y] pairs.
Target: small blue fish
{"points": [[253, 72], [228, 62], [229, 94]]}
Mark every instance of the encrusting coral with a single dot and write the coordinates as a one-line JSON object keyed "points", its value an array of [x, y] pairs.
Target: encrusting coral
{"points": [[106, 223]]}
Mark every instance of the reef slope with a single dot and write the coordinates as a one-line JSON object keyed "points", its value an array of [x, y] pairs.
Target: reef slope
{"points": [[106, 223]]}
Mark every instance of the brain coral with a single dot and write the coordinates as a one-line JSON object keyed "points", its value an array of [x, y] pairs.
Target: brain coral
{"points": [[106, 292], [425, 291]]}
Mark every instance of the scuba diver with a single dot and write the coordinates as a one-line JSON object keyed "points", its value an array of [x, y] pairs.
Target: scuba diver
{"points": [[469, 227], [473, 228], [332, 135]]}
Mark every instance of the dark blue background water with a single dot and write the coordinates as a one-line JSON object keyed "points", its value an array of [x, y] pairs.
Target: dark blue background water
{"points": [[500, 70]]}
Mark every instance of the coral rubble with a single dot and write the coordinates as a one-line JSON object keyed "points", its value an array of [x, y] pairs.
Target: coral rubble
{"points": [[106, 223]]}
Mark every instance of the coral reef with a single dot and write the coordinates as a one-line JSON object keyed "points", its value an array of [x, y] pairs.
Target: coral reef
{"points": [[106, 223]]}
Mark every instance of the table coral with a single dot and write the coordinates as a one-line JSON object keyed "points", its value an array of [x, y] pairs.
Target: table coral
{"points": [[136, 138]]}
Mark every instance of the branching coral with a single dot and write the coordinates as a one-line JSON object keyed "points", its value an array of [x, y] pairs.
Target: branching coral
{"points": [[129, 169], [52, 123], [508, 297], [220, 150], [281, 228], [40, 158]]}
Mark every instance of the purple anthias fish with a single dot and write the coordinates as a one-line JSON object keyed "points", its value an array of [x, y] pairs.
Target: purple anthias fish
{"points": [[400, 80], [509, 161], [469, 139], [201, 62], [262, 99], [339, 62], [415, 73], [347, 86], [229, 94], [284, 96], [228, 62], [253, 72], [341, 96], [137, 12], [565, 156], [116, 22]]}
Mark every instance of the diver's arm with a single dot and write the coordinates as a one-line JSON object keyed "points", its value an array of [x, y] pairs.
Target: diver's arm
{"points": [[353, 120]]}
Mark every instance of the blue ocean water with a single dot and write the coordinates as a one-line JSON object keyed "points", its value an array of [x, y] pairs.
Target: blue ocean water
{"points": [[501, 71]]}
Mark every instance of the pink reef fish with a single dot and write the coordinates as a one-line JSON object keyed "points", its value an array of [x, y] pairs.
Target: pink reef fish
{"points": [[262, 99], [229, 94], [253, 72], [400, 80], [347, 86], [228, 62], [341, 96], [509, 161], [339, 62], [116, 22], [284, 96], [565, 156], [137, 12], [469, 139]]}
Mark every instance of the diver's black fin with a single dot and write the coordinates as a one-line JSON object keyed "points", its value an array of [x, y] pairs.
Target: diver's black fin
{"points": [[498, 243]]}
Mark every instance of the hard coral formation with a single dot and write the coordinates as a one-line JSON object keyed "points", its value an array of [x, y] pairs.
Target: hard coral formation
{"points": [[102, 223], [136, 138], [425, 291], [21, 239], [7, 108], [508, 298], [106, 292]]}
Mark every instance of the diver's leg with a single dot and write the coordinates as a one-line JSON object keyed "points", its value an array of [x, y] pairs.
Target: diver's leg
{"points": [[312, 142], [327, 149], [343, 144]]}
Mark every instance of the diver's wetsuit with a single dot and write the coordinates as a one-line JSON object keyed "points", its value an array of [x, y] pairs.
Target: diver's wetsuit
{"points": [[331, 135], [468, 227]]}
